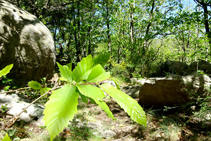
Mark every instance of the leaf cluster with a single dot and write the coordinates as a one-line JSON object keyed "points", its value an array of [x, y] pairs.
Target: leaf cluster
{"points": [[82, 81]]}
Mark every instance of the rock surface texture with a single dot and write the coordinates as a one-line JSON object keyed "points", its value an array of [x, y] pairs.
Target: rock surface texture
{"points": [[25, 42], [16, 104], [201, 65], [180, 68], [172, 90], [171, 67], [132, 91]]}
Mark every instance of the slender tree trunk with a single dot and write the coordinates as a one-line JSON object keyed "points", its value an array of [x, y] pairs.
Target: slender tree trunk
{"points": [[89, 35], [108, 30], [132, 8], [54, 35], [77, 35], [108, 27], [18, 3], [146, 38], [89, 38], [197, 37], [204, 5], [183, 48], [206, 23]]}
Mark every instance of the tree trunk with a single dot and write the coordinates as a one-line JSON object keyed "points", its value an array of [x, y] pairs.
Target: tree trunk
{"points": [[108, 27], [206, 23], [206, 20], [89, 38], [77, 35], [146, 38], [132, 8]]}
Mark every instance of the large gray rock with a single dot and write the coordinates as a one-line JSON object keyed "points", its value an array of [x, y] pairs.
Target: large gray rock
{"points": [[201, 65], [25, 42], [180, 68], [171, 67], [173, 90]]}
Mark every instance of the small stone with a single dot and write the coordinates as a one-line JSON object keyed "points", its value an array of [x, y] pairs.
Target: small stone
{"points": [[94, 125], [39, 122], [108, 134], [16, 104]]}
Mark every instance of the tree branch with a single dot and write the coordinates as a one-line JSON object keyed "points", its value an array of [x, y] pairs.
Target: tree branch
{"points": [[16, 117]]}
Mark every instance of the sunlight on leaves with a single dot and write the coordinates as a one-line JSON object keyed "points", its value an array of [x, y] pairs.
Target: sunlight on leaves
{"points": [[6, 70], [133, 109], [60, 109]]}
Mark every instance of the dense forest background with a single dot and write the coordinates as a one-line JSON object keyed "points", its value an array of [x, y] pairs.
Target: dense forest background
{"points": [[139, 34]]}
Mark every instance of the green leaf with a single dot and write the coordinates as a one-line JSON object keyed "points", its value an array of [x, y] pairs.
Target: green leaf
{"points": [[69, 65], [92, 101], [101, 59], [105, 108], [62, 79], [133, 109], [34, 85], [6, 138], [44, 90], [66, 73], [130, 65], [98, 74], [6, 88], [60, 109], [84, 98], [83, 69], [97, 95], [116, 81], [91, 91], [6, 70]]}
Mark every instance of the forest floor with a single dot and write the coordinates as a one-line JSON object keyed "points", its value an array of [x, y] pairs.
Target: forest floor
{"points": [[170, 126]]}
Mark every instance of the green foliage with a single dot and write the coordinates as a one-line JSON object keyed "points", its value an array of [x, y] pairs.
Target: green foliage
{"points": [[200, 72], [169, 129], [37, 86], [116, 81], [98, 74], [161, 30], [6, 83], [4, 80], [6, 70], [119, 70], [101, 59], [6, 138], [34, 85], [81, 133], [60, 108], [62, 105], [97, 95], [127, 103], [44, 90], [83, 69], [66, 72], [4, 108], [200, 105]]}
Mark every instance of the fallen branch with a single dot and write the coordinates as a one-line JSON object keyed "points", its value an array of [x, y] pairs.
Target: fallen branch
{"points": [[49, 92], [14, 90], [17, 116]]}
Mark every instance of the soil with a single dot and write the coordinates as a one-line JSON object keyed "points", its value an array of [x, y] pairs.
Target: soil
{"points": [[161, 126], [124, 127]]}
